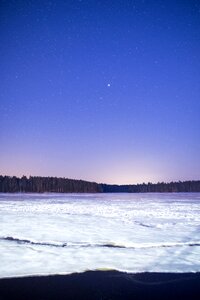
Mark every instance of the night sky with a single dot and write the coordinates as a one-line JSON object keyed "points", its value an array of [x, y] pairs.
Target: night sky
{"points": [[106, 91]]}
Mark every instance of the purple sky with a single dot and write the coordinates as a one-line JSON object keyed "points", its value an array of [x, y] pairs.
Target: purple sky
{"points": [[107, 91]]}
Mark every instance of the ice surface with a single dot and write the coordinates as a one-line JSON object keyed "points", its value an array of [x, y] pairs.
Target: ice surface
{"points": [[65, 233]]}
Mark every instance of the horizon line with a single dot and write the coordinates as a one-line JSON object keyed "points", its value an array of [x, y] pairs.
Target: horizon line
{"points": [[99, 183]]}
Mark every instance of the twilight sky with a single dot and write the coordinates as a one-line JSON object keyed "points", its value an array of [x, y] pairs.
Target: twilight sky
{"points": [[107, 91]]}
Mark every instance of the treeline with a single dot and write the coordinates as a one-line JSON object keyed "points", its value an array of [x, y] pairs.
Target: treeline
{"points": [[160, 187], [36, 184]]}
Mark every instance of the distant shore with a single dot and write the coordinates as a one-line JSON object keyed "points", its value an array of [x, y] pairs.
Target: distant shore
{"points": [[38, 184], [99, 285]]}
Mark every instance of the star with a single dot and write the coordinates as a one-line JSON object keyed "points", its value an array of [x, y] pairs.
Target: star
{"points": [[108, 85]]}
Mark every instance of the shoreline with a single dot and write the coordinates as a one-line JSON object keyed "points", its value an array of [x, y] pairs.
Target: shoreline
{"points": [[102, 285], [40, 184]]}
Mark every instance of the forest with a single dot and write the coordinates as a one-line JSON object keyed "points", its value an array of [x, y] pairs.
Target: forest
{"points": [[37, 184]]}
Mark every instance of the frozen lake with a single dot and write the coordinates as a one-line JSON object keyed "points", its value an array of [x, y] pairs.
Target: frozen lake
{"points": [[66, 233]]}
